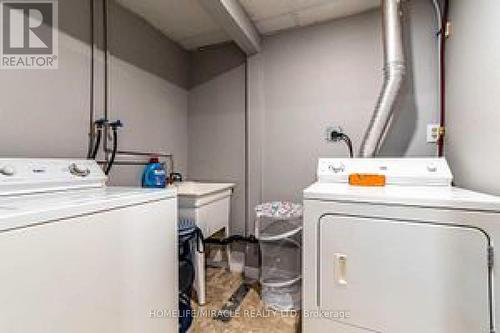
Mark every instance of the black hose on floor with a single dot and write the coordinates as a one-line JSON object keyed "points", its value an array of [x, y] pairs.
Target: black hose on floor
{"points": [[232, 239]]}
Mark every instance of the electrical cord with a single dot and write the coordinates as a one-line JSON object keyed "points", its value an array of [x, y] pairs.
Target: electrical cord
{"points": [[337, 136], [347, 140]]}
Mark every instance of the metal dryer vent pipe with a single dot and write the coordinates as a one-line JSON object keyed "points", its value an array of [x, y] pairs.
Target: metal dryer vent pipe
{"points": [[394, 72]]}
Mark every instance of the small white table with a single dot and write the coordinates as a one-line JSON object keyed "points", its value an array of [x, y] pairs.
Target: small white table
{"points": [[209, 206]]}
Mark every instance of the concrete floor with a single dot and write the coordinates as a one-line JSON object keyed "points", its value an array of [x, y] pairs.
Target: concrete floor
{"points": [[252, 318]]}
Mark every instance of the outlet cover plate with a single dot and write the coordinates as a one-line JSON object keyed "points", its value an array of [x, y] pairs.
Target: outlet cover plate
{"points": [[432, 133], [329, 131]]}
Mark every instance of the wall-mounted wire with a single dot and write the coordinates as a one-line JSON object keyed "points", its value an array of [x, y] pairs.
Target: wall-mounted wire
{"points": [[348, 142], [337, 135]]}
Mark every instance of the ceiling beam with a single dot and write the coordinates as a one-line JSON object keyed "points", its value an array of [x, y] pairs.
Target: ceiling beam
{"points": [[235, 22]]}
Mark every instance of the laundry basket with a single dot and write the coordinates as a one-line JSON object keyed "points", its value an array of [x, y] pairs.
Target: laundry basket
{"points": [[278, 228]]}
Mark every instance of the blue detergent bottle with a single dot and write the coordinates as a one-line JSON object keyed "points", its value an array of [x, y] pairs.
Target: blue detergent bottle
{"points": [[154, 175]]}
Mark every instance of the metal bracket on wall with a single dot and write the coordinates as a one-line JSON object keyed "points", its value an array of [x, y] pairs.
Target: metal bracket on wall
{"points": [[169, 157]]}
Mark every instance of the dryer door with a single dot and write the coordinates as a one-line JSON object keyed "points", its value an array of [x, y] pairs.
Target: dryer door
{"points": [[398, 276]]}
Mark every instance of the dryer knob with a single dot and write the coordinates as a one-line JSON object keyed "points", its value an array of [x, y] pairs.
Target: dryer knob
{"points": [[336, 167]]}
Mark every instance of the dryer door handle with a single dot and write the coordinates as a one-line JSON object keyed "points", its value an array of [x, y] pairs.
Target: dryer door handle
{"points": [[340, 269]]}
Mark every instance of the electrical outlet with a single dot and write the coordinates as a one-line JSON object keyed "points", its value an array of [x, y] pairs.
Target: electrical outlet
{"points": [[329, 132], [433, 133]]}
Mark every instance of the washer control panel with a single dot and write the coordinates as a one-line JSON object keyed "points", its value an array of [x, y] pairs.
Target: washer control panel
{"points": [[398, 171], [37, 175]]}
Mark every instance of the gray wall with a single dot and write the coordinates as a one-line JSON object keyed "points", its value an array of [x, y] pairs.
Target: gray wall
{"points": [[473, 79], [46, 113], [331, 74], [148, 91], [216, 122]]}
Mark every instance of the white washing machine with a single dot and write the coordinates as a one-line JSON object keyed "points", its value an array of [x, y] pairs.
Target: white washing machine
{"points": [[414, 256], [77, 256]]}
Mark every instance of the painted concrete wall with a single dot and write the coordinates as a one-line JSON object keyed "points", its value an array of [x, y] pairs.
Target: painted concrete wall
{"points": [[148, 92], [216, 123], [47, 113], [306, 80], [473, 78]]}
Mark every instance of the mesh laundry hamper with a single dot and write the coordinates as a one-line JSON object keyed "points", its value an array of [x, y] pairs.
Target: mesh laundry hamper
{"points": [[278, 228]]}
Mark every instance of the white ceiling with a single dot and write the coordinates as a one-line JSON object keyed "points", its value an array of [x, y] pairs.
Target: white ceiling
{"points": [[186, 22], [270, 16], [183, 21]]}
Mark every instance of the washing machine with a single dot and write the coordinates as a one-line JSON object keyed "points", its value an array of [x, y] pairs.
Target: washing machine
{"points": [[78, 256], [416, 255]]}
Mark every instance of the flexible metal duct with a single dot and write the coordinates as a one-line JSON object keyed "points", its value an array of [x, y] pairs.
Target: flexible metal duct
{"points": [[394, 72]]}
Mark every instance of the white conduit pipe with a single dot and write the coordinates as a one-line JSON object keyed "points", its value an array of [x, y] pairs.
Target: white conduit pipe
{"points": [[394, 72]]}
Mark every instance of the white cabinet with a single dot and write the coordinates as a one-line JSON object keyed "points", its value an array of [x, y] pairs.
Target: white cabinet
{"points": [[209, 206], [396, 276]]}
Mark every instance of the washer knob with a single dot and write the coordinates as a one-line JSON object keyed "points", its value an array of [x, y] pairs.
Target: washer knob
{"points": [[78, 171], [432, 167], [7, 171]]}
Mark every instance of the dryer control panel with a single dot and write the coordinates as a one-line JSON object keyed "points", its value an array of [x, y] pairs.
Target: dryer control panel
{"points": [[43, 175], [397, 171]]}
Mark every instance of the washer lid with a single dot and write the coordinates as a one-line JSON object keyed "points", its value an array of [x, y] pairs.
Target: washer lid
{"points": [[398, 171], [24, 210]]}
